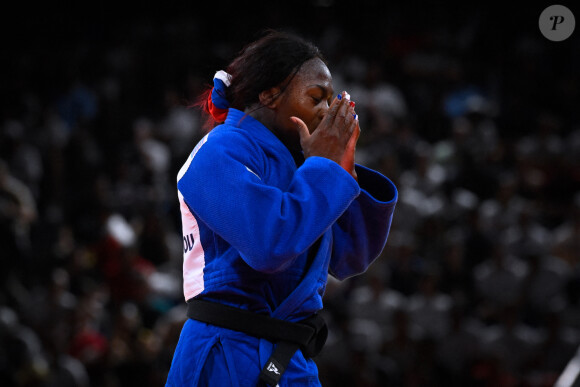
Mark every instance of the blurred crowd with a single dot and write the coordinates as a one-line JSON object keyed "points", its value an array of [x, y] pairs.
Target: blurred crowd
{"points": [[476, 123]]}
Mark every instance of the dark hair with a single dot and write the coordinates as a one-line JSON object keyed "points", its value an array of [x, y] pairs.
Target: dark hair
{"points": [[274, 58]]}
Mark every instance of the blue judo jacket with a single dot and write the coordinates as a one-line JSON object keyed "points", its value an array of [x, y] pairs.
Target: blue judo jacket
{"points": [[262, 233]]}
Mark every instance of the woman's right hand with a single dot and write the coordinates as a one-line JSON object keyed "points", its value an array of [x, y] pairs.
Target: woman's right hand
{"points": [[335, 137]]}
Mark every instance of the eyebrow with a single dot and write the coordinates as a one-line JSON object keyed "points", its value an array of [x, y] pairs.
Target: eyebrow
{"points": [[324, 89]]}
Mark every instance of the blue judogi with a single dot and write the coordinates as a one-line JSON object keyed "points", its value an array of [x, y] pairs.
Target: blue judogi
{"points": [[250, 220]]}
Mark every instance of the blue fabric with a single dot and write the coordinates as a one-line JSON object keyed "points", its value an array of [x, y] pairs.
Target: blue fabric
{"points": [[259, 215], [218, 94], [210, 356]]}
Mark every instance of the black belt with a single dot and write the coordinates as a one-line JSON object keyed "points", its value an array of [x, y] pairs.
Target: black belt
{"points": [[309, 335]]}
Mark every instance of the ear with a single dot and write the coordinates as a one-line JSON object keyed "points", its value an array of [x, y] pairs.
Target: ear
{"points": [[269, 98]]}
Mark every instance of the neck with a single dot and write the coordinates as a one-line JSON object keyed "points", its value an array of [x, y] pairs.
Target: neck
{"points": [[267, 118], [261, 113]]}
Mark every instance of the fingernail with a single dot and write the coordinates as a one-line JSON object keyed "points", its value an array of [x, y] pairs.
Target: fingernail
{"points": [[347, 95], [352, 103], [355, 116], [339, 97]]}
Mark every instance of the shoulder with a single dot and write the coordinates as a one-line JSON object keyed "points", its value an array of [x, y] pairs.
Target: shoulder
{"points": [[228, 139], [223, 148]]}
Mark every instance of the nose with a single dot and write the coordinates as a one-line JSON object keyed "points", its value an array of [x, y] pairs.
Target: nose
{"points": [[320, 114], [323, 110]]}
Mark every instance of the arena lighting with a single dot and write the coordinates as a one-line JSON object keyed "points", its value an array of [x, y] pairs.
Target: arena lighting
{"points": [[570, 373]]}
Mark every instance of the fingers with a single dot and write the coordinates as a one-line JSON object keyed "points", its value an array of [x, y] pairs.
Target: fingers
{"points": [[341, 119], [336, 135], [301, 127], [347, 115], [343, 108], [348, 160], [355, 130], [335, 105]]}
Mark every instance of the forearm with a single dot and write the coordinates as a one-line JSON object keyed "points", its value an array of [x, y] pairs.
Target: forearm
{"points": [[361, 233]]}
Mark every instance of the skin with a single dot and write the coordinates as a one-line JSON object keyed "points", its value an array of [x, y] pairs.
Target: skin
{"points": [[307, 117]]}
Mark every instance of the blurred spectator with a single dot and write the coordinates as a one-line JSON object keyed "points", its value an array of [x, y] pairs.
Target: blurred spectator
{"points": [[456, 278], [543, 290], [558, 344], [429, 309], [22, 156], [460, 349], [18, 213], [502, 210], [427, 176], [155, 154], [180, 127], [511, 342], [399, 351], [374, 301], [78, 104], [567, 235], [499, 283]]}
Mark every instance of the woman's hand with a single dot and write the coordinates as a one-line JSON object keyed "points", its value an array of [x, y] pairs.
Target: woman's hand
{"points": [[335, 137]]}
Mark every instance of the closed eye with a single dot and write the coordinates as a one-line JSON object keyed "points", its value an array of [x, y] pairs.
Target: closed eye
{"points": [[320, 93]]}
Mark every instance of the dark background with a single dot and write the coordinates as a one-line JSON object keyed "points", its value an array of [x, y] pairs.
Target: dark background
{"points": [[468, 109]]}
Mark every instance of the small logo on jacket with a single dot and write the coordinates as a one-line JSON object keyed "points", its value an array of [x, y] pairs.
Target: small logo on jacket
{"points": [[188, 243], [272, 368]]}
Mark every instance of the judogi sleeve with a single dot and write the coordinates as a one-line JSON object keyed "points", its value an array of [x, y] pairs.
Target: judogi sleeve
{"points": [[360, 234], [270, 227]]}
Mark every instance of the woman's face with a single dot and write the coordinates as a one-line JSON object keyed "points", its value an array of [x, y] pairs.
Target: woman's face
{"points": [[307, 97]]}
